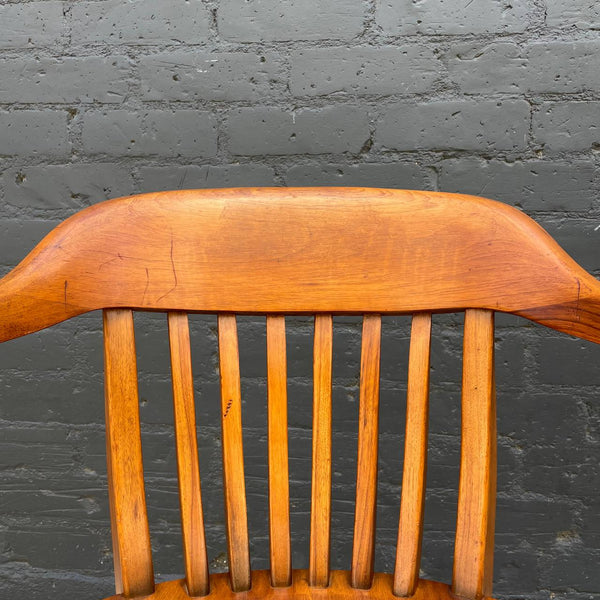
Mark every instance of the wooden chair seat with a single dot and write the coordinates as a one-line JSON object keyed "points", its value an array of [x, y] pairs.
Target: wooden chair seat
{"points": [[339, 589], [317, 251]]}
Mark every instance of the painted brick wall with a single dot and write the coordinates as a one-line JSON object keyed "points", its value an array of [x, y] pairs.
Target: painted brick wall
{"points": [[104, 98]]}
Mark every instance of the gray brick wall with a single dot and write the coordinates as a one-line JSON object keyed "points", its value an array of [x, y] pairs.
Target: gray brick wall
{"points": [[104, 98]]}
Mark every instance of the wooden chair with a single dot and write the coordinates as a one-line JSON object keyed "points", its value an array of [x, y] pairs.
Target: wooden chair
{"points": [[320, 251]]}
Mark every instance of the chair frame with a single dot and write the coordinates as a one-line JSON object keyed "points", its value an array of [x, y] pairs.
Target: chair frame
{"points": [[278, 251]]}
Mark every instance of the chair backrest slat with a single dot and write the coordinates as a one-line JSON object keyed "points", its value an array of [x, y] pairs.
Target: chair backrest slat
{"points": [[190, 499], [234, 486], [363, 549], [320, 514], [279, 493], [134, 574], [474, 545], [410, 528]]}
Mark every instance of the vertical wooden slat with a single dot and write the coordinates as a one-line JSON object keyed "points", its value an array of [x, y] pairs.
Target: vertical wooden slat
{"points": [[279, 494], [320, 515], [190, 499], [410, 528], [134, 575], [368, 433], [474, 547], [234, 486]]}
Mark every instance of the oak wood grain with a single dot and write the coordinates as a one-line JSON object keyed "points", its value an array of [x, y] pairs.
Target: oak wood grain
{"points": [[363, 548], [279, 493], [188, 470], [134, 574], [414, 475], [295, 250], [474, 545], [320, 505], [234, 485]]}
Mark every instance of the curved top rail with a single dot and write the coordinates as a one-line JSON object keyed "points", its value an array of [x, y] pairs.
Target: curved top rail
{"points": [[299, 250]]}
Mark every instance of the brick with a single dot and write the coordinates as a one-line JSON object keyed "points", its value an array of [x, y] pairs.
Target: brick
{"points": [[223, 76], [583, 14], [530, 516], [305, 131], [446, 362], [140, 22], [46, 548], [63, 583], [591, 416], [384, 175], [87, 342], [515, 567], [532, 185], [445, 402], [42, 498], [467, 64], [168, 544], [571, 471], [18, 237], [550, 67], [47, 449], [568, 126], [153, 389], [178, 177], [65, 186], [438, 550], [89, 446], [31, 24], [444, 476], [75, 398], [566, 67], [407, 17], [384, 70], [160, 459], [153, 341], [591, 517], [43, 351], [457, 124], [508, 467], [276, 20], [575, 567], [153, 132], [510, 349], [443, 508], [33, 132], [85, 79], [394, 365], [568, 361], [579, 237], [525, 415]]}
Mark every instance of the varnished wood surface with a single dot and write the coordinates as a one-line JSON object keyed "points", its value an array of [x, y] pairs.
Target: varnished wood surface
{"points": [[320, 504], [339, 589], [188, 470], [279, 491], [134, 575], [414, 474], [307, 250], [363, 547], [234, 485], [474, 545], [300, 250]]}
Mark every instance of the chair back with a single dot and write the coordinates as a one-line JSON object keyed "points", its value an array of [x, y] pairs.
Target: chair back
{"points": [[285, 251]]}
